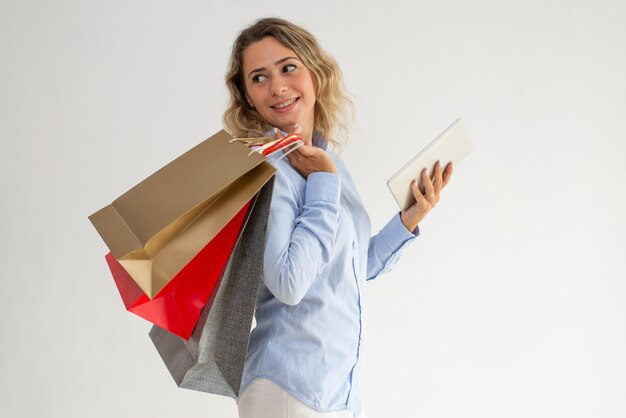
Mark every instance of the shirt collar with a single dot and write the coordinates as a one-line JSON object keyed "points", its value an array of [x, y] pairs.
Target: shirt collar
{"points": [[319, 141]]}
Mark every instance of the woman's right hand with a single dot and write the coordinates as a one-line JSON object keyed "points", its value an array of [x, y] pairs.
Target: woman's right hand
{"points": [[308, 159]]}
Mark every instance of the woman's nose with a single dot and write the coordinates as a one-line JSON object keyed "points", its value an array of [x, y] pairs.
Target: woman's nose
{"points": [[278, 86]]}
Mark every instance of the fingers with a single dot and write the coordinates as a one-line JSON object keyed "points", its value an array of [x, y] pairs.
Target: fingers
{"points": [[304, 156], [438, 180], [278, 134], [297, 129], [429, 188], [433, 187], [447, 174], [426, 200], [417, 193], [307, 150], [296, 156]]}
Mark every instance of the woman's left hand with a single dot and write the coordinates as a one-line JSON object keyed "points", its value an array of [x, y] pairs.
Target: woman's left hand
{"points": [[424, 202]]}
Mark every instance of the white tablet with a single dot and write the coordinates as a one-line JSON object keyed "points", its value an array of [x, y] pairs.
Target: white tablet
{"points": [[452, 145]]}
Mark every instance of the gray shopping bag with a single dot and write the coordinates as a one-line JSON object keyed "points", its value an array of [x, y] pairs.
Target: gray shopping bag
{"points": [[213, 358]]}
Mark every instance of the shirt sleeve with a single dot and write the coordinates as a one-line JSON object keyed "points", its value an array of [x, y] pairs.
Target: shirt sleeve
{"points": [[385, 247], [300, 237]]}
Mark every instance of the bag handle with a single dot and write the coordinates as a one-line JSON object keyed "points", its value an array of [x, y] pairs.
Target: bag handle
{"points": [[270, 145]]}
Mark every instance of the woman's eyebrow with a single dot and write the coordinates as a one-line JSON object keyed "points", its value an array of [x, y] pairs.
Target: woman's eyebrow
{"points": [[280, 61]]}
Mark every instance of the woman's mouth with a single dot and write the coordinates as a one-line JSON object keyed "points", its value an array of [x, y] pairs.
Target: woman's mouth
{"points": [[286, 105]]}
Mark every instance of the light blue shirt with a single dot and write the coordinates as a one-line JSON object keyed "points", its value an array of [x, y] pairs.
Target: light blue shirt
{"points": [[309, 312]]}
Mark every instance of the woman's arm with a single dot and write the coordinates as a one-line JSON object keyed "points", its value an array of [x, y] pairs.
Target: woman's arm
{"points": [[385, 247], [300, 239]]}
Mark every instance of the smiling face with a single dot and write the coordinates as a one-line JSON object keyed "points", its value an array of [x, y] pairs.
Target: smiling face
{"points": [[279, 86]]}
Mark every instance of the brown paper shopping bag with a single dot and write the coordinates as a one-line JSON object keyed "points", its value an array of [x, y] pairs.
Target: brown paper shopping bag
{"points": [[159, 225]]}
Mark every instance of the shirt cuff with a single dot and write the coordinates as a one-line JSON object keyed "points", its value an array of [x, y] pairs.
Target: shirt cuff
{"points": [[395, 235], [415, 232], [323, 186]]}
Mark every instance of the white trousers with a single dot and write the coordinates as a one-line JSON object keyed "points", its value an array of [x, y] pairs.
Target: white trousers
{"points": [[264, 399]]}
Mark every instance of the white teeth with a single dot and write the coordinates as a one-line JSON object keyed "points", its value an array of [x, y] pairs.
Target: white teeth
{"points": [[287, 103]]}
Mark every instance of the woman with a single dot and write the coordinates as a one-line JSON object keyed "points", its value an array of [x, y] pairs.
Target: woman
{"points": [[304, 358]]}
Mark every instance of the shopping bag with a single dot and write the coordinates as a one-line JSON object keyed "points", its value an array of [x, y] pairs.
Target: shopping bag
{"points": [[159, 225], [177, 307], [213, 358]]}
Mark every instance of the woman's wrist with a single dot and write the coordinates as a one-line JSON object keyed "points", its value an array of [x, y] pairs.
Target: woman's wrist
{"points": [[410, 226]]}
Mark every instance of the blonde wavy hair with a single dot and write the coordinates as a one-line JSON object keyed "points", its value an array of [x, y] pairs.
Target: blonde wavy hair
{"points": [[334, 111]]}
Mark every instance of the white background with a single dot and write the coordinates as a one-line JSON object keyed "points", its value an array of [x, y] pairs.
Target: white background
{"points": [[510, 304]]}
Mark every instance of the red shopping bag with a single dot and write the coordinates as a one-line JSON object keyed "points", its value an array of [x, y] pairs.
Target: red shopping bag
{"points": [[177, 307]]}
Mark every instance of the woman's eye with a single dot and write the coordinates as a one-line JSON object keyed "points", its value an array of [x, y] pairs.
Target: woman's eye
{"points": [[288, 68], [258, 78]]}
